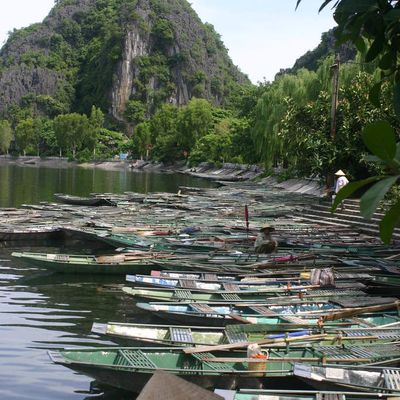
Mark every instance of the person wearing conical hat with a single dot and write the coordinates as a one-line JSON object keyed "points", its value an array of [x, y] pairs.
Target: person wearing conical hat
{"points": [[341, 182], [264, 242]]}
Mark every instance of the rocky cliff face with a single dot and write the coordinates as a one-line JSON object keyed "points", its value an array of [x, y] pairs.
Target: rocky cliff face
{"points": [[134, 47], [108, 52]]}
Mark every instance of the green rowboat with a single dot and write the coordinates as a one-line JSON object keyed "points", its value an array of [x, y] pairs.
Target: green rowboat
{"points": [[281, 295], [130, 368], [90, 264], [179, 335]]}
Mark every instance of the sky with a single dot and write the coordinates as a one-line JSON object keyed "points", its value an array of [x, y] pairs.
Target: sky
{"points": [[262, 36]]}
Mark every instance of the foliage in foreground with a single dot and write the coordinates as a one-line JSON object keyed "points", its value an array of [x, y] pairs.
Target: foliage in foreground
{"points": [[372, 25]]}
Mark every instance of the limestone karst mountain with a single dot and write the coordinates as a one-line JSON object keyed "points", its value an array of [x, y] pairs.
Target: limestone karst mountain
{"points": [[111, 53]]}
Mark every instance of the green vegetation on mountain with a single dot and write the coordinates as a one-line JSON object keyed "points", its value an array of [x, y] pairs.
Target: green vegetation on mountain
{"points": [[313, 58], [127, 58], [108, 53]]}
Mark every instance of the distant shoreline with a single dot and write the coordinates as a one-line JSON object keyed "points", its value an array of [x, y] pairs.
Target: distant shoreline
{"points": [[63, 162]]}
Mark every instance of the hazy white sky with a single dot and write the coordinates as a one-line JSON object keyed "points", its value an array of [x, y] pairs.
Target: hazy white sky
{"points": [[262, 36]]}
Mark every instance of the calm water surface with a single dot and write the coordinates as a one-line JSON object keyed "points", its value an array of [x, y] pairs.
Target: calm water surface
{"points": [[39, 312], [31, 184]]}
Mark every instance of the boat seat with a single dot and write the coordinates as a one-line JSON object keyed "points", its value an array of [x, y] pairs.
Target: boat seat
{"points": [[133, 358], [210, 277], [336, 293], [362, 301], [264, 311], [362, 322], [235, 337], [270, 313], [392, 379], [330, 396], [182, 294], [210, 364], [230, 286], [181, 335], [57, 257], [186, 283], [230, 296], [373, 353], [202, 308], [391, 334], [293, 319]]}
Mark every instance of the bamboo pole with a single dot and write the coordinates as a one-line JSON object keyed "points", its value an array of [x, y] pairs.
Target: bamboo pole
{"points": [[239, 345], [284, 359], [345, 313]]}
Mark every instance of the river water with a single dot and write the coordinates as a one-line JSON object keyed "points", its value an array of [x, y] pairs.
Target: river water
{"points": [[39, 312]]}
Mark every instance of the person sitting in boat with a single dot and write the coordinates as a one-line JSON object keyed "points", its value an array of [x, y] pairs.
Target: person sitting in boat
{"points": [[341, 182], [264, 242]]}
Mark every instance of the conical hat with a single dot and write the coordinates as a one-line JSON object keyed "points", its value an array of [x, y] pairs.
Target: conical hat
{"points": [[267, 227], [340, 173]]}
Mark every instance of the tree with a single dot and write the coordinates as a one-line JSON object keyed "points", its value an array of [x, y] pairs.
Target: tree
{"points": [[372, 25], [109, 143], [6, 136], [164, 133], [142, 138], [195, 121], [71, 131], [270, 110], [214, 146], [135, 112], [48, 141], [96, 118], [27, 134], [96, 121]]}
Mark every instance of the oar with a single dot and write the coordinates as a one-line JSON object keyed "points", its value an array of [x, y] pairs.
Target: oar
{"points": [[332, 316], [239, 345], [237, 317], [289, 359]]}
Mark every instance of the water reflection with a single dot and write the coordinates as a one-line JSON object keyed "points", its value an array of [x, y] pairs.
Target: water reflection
{"points": [[33, 184], [40, 311]]}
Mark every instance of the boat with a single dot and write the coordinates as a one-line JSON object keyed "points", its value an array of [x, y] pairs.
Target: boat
{"points": [[133, 334], [219, 314], [159, 335], [367, 378], [262, 278], [281, 295], [84, 201], [230, 284], [305, 314], [123, 263], [202, 285], [286, 394], [29, 232], [130, 368]]}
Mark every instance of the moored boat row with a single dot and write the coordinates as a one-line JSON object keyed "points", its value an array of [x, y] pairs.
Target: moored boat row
{"points": [[324, 305]]}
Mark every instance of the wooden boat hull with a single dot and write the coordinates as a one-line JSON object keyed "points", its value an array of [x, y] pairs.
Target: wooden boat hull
{"points": [[215, 319], [135, 381], [155, 335], [130, 368], [84, 201], [277, 295], [285, 394], [133, 378], [127, 334], [82, 264], [11, 235]]}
